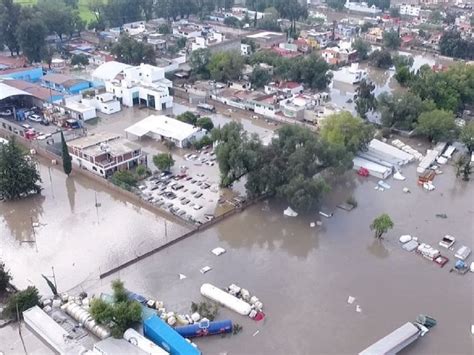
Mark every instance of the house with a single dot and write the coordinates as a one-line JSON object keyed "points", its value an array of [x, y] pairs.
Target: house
{"points": [[266, 39], [239, 85], [349, 75], [65, 83], [207, 39], [106, 103], [78, 110], [157, 40], [166, 128], [31, 74], [266, 105], [187, 31], [319, 39], [144, 84], [105, 153], [287, 88], [374, 35], [245, 49], [341, 54], [410, 10]]}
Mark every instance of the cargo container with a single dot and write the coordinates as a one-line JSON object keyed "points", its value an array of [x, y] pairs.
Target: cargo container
{"points": [[204, 328], [135, 338], [167, 338]]}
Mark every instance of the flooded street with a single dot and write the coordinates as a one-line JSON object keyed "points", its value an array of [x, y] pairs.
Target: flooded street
{"points": [[304, 275], [74, 236]]}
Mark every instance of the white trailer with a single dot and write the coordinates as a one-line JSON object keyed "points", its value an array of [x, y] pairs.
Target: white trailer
{"points": [[376, 170], [222, 297], [390, 152], [112, 346], [395, 341], [135, 338]]}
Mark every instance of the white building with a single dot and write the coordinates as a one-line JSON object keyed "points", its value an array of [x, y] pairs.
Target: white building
{"points": [[209, 39], [245, 49], [106, 103], [362, 7], [410, 10], [80, 111], [105, 153], [187, 31], [144, 84], [166, 128], [350, 75], [285, 87]]}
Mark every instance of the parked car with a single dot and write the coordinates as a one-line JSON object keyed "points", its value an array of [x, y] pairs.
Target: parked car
{"points": [[44, 122], [35, 118]]}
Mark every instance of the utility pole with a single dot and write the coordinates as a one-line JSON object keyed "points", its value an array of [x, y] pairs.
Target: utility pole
{"points": [[19, 329]]}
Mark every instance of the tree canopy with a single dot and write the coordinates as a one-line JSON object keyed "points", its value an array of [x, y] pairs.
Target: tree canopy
{"points": [[381, 225], [67, 160], [163, 161], [225, 66], [345, 130], [381, 59], [118, 316], [18, 174], [437, 125], [130, 51], [290, 167], [451, 44], [467, 136], [260, 77], [364, 98], [391, 39], [205, 123], [22, 301], [362, 47]]}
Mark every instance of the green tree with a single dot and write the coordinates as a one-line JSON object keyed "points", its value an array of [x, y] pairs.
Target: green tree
{"points": [[141, 171], [467, 136], [260, 77], [79, 59], [22, 301], [381, 225], [164, 29], [364, 98], [312, 71], [5, 277], [436, 17], [401, 110], [381, 59], [57, 17], [188, 117], [146, 6], [232, 21], [129, 51], [394, 12], [336, 4], [125, 179], [391, 39], [402, 61], [362, 48], [437, 125], [451, 44], [118, 12], [225, 66], [10, 15], [345, 130], [31, 35], [203, 142], [199, 61], [206, 123], [163, 161], [403, 75], [18, 174], [67, 160], [120, 315]]}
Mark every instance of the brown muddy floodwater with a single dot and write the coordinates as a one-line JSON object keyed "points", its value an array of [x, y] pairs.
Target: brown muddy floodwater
{"points": [[302, 275], [74, 236]]}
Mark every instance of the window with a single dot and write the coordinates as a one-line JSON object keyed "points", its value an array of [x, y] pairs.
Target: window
{"points": [[94, 168]]}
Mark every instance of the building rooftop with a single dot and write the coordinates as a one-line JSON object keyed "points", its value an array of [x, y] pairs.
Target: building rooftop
{"points": [[61, 79], [78, 107], [109, 70], [35, 90], [12, 62], [16, 70], [9, 91], [98, 143], [265, 35], [164, 126]]}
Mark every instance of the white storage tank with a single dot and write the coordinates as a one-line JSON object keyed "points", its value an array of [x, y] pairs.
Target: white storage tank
{"points": [[222, 297]]}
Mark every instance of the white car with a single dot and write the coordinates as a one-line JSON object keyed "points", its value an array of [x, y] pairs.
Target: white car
{"points": [[35, 118]]}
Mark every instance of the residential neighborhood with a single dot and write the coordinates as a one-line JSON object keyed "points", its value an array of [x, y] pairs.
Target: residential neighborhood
{"points": [[170, 171]]}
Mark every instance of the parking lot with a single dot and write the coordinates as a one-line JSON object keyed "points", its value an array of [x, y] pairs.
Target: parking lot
{"points": [[187, 194]]}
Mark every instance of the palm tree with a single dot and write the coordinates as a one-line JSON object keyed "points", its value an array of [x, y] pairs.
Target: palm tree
{"points": [[381, 225]]}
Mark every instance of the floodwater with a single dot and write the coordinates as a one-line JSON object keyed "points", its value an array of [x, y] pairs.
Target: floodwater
{"points": [[304, 275], [63, 228]]}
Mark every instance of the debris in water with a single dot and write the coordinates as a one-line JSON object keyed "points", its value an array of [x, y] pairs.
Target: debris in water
{"points": [[350, 300], [258, 331], [182, 277], [472, 329], [358, 309], [398, 176], [218, 251], [441, 215], [406, 190], [205, 269], [35, 224], [312, 224], [319, 223], [290, 212]]}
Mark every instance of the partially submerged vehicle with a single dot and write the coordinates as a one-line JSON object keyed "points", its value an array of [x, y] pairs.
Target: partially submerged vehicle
{"points": [[447, 241]]}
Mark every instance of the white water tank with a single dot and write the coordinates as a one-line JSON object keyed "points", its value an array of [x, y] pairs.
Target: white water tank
{"points": [[220, 296]]}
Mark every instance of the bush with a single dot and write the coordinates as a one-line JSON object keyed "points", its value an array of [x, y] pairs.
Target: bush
{"points": [[24, 300], [141, 171], [204, 141], [5, 277], [124, 179]]}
